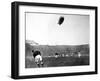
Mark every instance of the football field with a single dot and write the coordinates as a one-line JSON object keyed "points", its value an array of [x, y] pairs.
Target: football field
{"points": [[59, 61]]}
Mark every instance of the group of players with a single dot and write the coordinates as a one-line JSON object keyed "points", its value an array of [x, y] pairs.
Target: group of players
{"points": [[39, 60]]}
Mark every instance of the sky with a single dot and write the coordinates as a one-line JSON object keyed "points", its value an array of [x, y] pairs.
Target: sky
{"points": [[45, 30]]}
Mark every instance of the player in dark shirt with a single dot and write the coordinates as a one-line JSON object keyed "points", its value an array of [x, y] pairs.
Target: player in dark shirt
{"points": [[35, 53], [56, 55], [38, 58]]}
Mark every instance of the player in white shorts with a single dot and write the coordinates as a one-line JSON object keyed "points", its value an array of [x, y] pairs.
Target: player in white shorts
{"points": [[38, 58]]}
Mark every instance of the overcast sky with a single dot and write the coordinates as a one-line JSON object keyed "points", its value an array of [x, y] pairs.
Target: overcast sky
{"points": [[45, 30]]}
